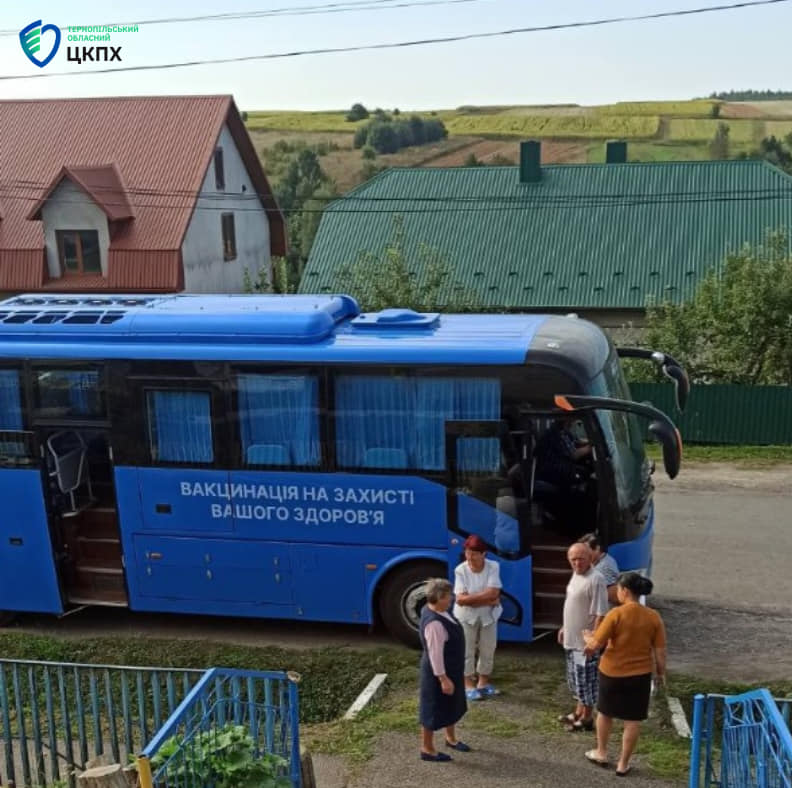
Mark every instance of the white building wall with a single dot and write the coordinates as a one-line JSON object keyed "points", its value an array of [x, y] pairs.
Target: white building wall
{"points": [[70, 208], [205, 271]]}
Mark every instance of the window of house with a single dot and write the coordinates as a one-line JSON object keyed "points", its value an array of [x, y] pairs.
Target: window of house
{"points": [[229, 237], [78, 251], [399, 421], [279, 419], [180, 426], [219, 169]]}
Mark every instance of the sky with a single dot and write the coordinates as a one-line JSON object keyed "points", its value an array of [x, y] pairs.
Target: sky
{"points": [[677, 58]]}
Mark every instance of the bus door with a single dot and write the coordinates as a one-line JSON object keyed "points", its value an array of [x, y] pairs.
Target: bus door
{"points": [[28, 574], [485, 466], [72, 425]]}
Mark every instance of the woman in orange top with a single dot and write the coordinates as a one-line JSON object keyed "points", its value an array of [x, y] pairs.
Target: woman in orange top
{"points": [[634, 640]]}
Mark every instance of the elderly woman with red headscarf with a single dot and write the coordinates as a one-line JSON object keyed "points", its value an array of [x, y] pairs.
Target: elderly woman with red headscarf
{"points": [[477, 586]]}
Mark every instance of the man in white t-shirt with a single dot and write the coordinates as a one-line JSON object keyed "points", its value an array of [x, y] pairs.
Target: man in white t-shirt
{"points": [[585, 606], [477, 587]]}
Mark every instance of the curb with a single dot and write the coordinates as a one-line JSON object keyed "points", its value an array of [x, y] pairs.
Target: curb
{"points": [[678, 718], [372, 690]]}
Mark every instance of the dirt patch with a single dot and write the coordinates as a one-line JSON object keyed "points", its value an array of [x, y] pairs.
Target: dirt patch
{"points": [[735, 110], [553, 152]]}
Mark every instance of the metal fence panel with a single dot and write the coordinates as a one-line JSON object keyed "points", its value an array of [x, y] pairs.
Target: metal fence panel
{"points": [[725, 413]]}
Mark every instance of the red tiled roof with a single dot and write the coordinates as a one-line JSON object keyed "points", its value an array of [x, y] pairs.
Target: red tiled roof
{"points": [[161, 146], [103, 184]]}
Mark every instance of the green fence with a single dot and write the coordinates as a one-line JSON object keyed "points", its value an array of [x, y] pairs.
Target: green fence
{"points": [[730, 414]]}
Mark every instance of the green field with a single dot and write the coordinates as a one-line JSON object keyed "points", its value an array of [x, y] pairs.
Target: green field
{"points": [[679, 109], [690, 130], [555, 126], [300, 121]]}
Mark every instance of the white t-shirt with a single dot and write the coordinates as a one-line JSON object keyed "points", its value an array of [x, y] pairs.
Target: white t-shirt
{"points": [[586, 600], [466, 581]]}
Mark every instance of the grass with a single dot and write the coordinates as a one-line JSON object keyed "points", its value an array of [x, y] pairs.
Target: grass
{"points": [[741, 456], [778, 128], [331, 677], [301, 121]]}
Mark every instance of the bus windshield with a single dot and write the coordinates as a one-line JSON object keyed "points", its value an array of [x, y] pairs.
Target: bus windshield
{"points": [[623, 435]]}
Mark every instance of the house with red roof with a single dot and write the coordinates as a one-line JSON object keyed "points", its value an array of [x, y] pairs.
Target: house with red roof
{"points": [[155, 194]]}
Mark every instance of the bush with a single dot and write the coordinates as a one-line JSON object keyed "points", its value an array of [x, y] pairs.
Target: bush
{"points": [[358, 112], [244, 117], [369, 152], [361, 136], [383, 137]]}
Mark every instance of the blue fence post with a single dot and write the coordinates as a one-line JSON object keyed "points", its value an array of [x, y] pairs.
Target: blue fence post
{"points": [[709, 734], [294, 720], [694, 777]]}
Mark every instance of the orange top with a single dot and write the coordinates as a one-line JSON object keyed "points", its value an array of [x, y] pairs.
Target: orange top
{"points": [[631, 631]]}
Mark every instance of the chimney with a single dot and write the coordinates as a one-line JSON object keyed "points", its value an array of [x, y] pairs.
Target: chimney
{"points": [[530, 161], [616, 152]]}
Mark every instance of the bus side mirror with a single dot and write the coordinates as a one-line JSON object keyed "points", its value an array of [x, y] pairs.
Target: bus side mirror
{"points": [[670, 440], [681, 384]]}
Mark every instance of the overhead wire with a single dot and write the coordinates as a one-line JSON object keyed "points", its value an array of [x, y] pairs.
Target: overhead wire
{"points": [[411, 43]]}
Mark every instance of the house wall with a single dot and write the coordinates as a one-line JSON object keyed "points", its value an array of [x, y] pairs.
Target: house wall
{"points": [[70, 208], [205, 271]]}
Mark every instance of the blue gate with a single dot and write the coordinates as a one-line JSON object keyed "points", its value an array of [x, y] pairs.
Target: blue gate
{"points": [[742, 741]]}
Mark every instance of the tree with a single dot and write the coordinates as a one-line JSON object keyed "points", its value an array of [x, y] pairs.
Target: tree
{"points": [[777, 152], [737, 327], [358, 112], [282, 280], [369, 153], [471, 160], [719, 144], [424, 282]]}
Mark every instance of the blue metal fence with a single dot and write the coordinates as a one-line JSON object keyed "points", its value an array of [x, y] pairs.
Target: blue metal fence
{"points": [[250, 719], [55, 716], [742, 741]]}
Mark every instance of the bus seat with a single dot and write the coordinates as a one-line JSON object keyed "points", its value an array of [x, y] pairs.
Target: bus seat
{"points": [[385, 458], [268, 454]]}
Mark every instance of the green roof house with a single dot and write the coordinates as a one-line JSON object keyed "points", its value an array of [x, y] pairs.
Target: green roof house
{"points": [[597, 239]]}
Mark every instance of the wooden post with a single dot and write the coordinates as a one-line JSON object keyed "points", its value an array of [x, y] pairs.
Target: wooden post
{"points": [[103, 777]]}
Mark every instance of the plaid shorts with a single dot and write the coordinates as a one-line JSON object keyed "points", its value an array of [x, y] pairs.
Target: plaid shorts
{"points": [[582, 680]]}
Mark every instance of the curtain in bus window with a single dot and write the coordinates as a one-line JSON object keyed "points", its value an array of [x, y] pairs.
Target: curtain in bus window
{"points": [[478, 399], [375, 422], [435, 404], [279, 419], [10, 406], [83, 390], [180, 426]]}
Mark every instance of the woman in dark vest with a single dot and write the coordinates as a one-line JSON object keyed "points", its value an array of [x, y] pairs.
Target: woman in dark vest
{"points": [[442, 700]]}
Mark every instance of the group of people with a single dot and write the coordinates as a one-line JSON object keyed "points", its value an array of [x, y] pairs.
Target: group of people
{"points": [[612, 645]]}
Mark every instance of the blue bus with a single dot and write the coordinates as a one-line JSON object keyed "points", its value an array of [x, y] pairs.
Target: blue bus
{"points": [[290, 457]]}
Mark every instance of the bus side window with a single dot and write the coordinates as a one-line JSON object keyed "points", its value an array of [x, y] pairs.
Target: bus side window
{"points": [[180, 426], [279, 419], [10, 402]]}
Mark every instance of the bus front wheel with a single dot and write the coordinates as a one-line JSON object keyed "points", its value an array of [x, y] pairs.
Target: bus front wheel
{"points": [[403, 597]]}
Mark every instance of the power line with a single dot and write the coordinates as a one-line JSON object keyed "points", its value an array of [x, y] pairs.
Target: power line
{"points": [[413, 43], [329, 8]]}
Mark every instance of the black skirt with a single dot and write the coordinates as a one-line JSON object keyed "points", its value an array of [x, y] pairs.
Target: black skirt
{"points": [[624, 698]]}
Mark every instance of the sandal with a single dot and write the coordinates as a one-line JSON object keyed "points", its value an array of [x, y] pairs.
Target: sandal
{"points": [[624, 772], [474, 694], [488, 691], [581, 725], [591, 756]]}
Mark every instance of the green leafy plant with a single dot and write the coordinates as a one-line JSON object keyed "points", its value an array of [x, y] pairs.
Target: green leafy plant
{"points": [[224, 758]]}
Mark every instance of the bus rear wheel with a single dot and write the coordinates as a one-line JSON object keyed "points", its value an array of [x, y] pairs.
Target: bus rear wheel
{"points": [[7, 617], [402, 599]]}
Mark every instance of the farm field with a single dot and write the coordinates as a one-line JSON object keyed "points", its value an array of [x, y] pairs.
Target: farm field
{"points": [[570, 133]]}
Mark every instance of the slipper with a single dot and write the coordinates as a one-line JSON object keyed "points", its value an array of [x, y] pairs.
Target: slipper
{"points": [[474, 694], [460, 746], [591, 755], [581, 725], [438, 756], [489, 690], [623, 773]]}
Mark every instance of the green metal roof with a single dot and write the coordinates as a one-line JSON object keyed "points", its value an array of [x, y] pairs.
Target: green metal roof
{"points": [[602, 236]]}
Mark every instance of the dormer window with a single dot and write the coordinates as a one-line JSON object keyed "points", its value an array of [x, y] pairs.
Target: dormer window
{"points": [[219, 170], [78, 251]]}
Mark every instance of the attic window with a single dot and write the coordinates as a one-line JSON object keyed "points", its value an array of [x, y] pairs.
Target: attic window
{"points": [[219, 170], [78, 252]]}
